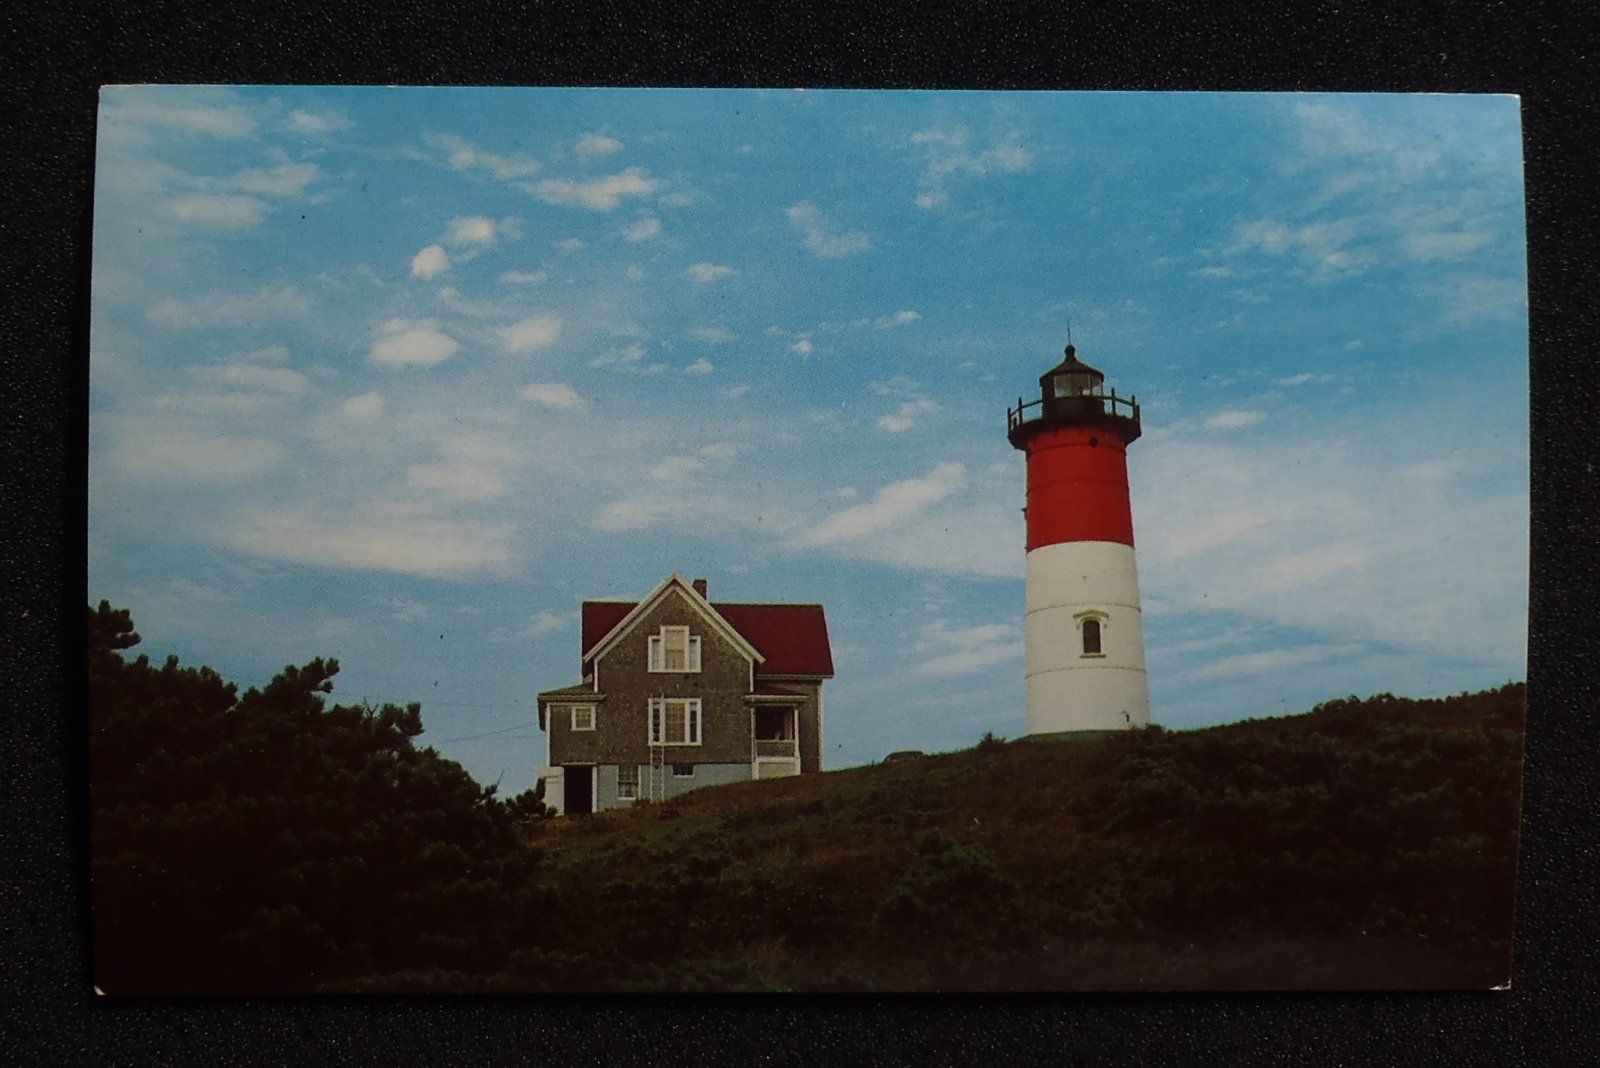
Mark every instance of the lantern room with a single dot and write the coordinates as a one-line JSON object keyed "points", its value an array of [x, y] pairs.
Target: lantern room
{"points": [[1073, 394]]}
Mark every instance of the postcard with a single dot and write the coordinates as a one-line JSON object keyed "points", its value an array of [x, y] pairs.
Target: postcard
{"points": [[585, 540]]}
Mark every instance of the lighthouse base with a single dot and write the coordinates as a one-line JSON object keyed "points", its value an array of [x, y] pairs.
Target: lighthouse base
{"points": [[1078, 681], [1109, 699]]}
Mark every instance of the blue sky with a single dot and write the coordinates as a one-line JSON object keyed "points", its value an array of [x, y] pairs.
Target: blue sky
{"points": [[403, 375]]}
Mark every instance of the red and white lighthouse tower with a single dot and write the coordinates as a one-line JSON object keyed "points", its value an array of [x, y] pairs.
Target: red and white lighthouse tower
{"points": [[1085, 639]]}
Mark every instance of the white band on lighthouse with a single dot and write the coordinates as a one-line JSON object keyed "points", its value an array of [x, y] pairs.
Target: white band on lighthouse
{"points": [[1085, 639]]}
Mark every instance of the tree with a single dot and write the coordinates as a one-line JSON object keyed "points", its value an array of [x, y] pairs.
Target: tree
{"points": [[272, 842]]}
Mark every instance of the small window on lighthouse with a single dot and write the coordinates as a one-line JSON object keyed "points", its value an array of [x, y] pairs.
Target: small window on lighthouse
{"points": [[1091, 637]]}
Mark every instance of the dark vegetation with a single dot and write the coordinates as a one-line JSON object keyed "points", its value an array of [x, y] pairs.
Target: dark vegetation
{"points": [[274, 842]]}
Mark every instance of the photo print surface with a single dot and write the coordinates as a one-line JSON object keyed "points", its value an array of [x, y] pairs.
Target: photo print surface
{"points": [[623, 540]]}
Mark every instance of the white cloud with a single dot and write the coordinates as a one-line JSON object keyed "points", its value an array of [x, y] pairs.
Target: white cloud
{"points": [[405, 343], [949, 153], [553, 395], [1467, 298], [597, 194], [1303, 378], [163, 449], [132, 108], [702, 366], [823, 235], [464, 155], [802, 347], [595, 145], [431, 262], [724, 450], [222, 212], [1235, 419], [269, 354], [675, 467], [542, 623], [946, 651], [363, 406], [643, 229], [1331, 535], [318, 122], [462, 481], [892, 504], [913, 406], [1324, 247], [569, 244], [471, 230], [451, 297], [404, 609], [1440, 245], [281, 380], [1216, 270], [1245, 665], [707, 273], [432, 548], [1288, 571], [531, 334], [235, 404], [712, 335], [232, 309], [735, 392], [906, 416], [632, 514], [524, 278], [903, 317], [284, 180], [631, 353]]}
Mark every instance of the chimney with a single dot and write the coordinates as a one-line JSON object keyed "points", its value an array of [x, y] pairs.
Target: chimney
{"points": [[700, 587]]}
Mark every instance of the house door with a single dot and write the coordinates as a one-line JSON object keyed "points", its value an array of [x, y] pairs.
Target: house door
{"points": [[579, 788]]}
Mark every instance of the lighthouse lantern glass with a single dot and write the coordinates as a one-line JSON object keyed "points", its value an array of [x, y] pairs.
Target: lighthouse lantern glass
{"points": [[1074, 384]]}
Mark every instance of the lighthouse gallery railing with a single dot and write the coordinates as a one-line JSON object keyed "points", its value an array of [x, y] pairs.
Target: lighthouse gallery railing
{"points": [[1109, 404]]}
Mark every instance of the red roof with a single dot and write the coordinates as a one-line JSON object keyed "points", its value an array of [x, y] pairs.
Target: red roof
{"points": [[792, 637]]}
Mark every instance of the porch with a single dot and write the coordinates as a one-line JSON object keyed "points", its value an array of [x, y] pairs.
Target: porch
{"points": [[775, 742]]}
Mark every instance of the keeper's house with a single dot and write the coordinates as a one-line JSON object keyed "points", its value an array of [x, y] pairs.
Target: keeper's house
{"points": [[679, 693]]}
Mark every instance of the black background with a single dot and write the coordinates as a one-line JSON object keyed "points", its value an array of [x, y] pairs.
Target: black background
{"points": [[52, 61]]}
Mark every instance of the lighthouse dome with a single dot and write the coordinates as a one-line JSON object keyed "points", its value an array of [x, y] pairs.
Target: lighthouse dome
{"points": [[1073, 394], [1071, 378]]}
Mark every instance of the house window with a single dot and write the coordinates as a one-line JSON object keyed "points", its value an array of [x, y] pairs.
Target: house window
{"points": [[1091, 637], [674, 721], [683, 771], [628, 782], [583, 717], [674, 649]]}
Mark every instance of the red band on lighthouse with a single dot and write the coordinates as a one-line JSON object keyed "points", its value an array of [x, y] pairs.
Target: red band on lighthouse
{"points": [[1078, 487]]}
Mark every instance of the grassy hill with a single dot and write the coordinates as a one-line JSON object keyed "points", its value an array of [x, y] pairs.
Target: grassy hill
{"points": [[273, 841], [1366, 844]]}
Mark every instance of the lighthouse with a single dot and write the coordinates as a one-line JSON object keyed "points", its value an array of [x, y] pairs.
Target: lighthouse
{"points": [[1085, 640]]}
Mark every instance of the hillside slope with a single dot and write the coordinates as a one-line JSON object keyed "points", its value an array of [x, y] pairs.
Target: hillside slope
{"points": [[1366, 844]]}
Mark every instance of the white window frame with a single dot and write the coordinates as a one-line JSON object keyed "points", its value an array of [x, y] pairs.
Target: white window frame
{"points": [[1104, 623], [575, 709], [692, 723], [658, 651], [637, 778]]}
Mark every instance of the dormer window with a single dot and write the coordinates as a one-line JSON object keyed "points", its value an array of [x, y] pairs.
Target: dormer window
{"points": [[674, 649], [1091, 634]]}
